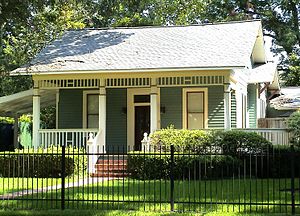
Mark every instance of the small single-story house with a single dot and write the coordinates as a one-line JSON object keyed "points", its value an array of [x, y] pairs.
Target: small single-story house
{"points": [[122, 82]]}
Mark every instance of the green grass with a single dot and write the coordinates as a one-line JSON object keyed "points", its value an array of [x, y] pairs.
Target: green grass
{"points": [[216, 195], [114, 213], [10, 185]]}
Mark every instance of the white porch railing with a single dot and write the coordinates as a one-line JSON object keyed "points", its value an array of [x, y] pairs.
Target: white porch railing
{"points": [[70, 137], [276, 136]]}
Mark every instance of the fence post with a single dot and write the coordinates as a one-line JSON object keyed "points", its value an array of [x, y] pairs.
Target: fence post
{"points": [[172, 178], [63, 173], [293, 178]]}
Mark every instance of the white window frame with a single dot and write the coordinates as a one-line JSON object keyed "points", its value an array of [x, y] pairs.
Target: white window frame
{"points": [[184, 105], [84, 108]]}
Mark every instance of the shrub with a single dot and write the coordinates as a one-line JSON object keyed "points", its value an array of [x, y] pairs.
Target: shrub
{"points": [[293, 124], [237, 143], [156, 166], [200, 154], [275, 163], [43, 163], [183, 140]]}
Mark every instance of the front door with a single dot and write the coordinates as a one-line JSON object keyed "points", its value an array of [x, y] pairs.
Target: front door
{"points": [[142, 124]]}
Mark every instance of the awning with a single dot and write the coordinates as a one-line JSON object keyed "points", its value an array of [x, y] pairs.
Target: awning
{"points": [[265, 73], [21, 103]]}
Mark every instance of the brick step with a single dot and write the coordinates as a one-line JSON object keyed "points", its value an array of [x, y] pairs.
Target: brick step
{"points": [[110, 167], [116, 168], [109, 174], [112, 162]]}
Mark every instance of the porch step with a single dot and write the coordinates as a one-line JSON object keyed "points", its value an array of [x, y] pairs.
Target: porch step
{"points": [[110, 174], [111, 168]]}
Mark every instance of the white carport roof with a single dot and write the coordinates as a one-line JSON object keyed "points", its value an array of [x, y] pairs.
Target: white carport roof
{"points": [[21, 103]]}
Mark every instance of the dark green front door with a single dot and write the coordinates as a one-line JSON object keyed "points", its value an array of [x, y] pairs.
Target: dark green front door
{"points": [[142, 124]]}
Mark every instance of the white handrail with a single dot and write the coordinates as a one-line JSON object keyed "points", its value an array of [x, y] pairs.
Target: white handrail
{"points": [[69, 137], [94, 149]]}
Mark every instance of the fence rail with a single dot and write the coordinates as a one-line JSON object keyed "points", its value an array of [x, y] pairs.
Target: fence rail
{"points": [[263, 180], [70, 137], [276, 136]]}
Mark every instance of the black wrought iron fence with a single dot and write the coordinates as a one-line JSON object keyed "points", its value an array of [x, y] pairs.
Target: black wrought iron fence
{"points": [[155, 179]]}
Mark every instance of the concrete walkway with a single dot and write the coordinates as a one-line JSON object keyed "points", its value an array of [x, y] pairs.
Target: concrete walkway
{"points": [[81, 182]]}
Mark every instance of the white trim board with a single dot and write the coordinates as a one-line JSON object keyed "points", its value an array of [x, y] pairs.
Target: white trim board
{"points": [[130, 112]]}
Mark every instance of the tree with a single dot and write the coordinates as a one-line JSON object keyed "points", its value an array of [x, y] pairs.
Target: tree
{"points": [[25, 28], [293, 123], [114, 13], [280, 21]]}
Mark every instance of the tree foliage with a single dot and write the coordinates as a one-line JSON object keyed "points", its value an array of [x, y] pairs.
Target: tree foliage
{"points": [[280, 21], [26, 26], [293, 124]]}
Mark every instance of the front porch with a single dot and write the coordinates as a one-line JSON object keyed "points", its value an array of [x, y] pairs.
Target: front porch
{"points": [[123, 109], [79, 138], [118, 110]]}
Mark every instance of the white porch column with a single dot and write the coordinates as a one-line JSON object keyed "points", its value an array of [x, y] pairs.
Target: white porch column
{"points": [[36, 116], [154, 112], [227, 107], [102, 114], [16, 131]]}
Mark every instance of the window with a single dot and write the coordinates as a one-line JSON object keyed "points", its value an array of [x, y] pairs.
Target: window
{"points": [[195, 109], [141, 98], [92, 111]]}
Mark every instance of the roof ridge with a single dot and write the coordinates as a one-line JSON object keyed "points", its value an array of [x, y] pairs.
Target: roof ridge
{"points": [[170, 26]]}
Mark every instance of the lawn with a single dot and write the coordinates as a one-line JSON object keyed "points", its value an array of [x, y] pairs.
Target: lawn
{"points": [[114, 213], [10, 185], [254, 195]]}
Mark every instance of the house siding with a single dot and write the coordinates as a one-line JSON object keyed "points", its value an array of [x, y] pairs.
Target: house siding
{"points": [[252, 105], [215, 107], [70, 109], [116, 120], [171, 99]]}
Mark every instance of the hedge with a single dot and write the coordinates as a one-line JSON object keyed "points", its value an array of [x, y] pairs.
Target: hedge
{"points": [[182, 139], [237, 143], [229, 142], [275, 163], [42, 163], [212, 154], [151, 166]]}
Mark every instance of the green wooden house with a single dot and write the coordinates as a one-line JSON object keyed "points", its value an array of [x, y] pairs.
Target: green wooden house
{"points": [[122, 82]]}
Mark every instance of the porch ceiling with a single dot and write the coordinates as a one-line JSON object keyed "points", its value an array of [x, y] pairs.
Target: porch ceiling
{"points": [[21, 103]]}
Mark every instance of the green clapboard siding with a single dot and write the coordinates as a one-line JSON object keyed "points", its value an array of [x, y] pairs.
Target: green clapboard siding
{"points": [[116, 120], [233, 110], [171, 99], [215, 107], [70, 109], [252, 96]]}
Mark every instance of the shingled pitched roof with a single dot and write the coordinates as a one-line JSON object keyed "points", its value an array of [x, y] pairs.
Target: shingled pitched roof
{"points": [[225, 45]]}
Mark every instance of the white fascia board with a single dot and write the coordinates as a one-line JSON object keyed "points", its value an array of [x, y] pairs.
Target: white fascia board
{"points": [[144, 70]]}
